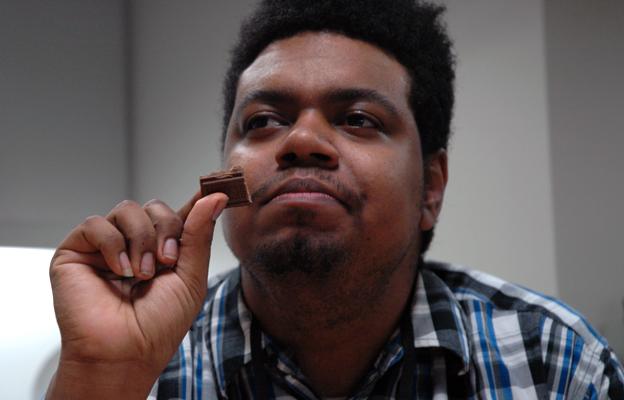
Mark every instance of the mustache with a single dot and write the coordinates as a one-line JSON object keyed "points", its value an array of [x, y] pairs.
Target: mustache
{"points": [[351, 197]]}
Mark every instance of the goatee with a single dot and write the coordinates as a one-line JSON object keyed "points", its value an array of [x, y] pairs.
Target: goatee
{"points": [[315, 258]]}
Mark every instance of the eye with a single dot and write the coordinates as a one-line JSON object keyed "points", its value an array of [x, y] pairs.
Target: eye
{"points": [[361, 123], [262, 121], [360, 120]]}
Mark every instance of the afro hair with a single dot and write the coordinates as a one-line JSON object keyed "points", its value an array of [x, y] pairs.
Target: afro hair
{"points": [[409, 30]]}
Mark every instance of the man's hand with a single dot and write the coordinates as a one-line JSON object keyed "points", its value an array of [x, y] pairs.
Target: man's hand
{"points": [[118, 334]]}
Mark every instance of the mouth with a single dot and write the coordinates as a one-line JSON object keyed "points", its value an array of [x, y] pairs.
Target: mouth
{"points": [[304, 190]]}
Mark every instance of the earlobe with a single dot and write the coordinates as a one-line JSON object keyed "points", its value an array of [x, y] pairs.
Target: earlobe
{"points": [[427, 220], [435, 177]]}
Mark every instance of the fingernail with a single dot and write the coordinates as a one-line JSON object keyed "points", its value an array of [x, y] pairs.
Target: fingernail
{"points": [[170, 249], [126, 268], [147, 264], [218, 209]]}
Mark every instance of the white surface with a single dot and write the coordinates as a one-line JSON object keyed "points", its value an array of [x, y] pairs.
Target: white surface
{"points": [[29, 338]]}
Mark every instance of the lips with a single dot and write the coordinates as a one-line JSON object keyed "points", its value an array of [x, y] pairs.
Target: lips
{"points": [[304, 189]]}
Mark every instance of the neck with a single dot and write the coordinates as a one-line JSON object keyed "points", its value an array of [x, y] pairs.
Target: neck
{"points": [[337, 326]]}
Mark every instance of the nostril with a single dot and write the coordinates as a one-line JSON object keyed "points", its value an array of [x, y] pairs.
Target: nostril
{"points": [[321, 157], [306, 159], [289, 157]]}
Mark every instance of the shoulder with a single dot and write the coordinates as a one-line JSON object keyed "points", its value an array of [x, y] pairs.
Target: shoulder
{"points": [[518, 327], [491, 293]]}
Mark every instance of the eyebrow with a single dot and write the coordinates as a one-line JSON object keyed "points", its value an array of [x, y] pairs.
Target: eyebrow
{"points": [[266, 96], [339, 95], [361, 94]]}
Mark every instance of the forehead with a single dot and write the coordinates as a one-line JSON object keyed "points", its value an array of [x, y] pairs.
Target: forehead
{"points": [[316, 62]]}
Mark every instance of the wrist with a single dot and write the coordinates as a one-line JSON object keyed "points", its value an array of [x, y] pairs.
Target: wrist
{"points": [[98, 380]]}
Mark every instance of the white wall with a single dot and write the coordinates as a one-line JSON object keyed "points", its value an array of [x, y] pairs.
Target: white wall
{"points": [[586, 85], [63, 140], [498, 208], [29, 338]]}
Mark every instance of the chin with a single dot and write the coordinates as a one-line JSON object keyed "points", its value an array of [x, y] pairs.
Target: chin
{"points": [[311, 256]]}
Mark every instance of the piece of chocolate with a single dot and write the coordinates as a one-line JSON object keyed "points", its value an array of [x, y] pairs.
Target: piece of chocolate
{"points": [[231, 182]]}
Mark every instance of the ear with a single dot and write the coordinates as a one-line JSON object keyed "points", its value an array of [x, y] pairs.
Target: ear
{"points": [[435, 177]]}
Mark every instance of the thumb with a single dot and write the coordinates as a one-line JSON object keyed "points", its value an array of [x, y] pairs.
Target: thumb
{"points": [[196, 240]]}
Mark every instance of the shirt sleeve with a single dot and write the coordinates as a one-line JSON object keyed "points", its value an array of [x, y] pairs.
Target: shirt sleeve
{"points": [[609, 382], [579, 366]]}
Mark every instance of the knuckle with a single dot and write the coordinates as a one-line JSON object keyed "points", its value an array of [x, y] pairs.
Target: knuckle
{"points": [[93, 220], [61, 255], [154, 203], [126, 204], [54, 261]]}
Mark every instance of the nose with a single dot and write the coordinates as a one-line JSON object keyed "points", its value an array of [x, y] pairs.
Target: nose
{"points": [[309, 144]]}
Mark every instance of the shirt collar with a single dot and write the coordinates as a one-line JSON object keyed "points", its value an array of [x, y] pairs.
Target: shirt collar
{"points": [[437, 319]]}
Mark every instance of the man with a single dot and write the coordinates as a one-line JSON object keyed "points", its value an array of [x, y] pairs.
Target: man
{"points": [[339, 113]]}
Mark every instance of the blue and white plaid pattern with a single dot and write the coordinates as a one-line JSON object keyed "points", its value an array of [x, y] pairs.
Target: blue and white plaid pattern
{"points": [[475, 337]]}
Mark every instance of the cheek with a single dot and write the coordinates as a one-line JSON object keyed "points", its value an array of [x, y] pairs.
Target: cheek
{"points": [[236, 221], [393, 185], [394, 179], [391, 219], [256, 163], [241, 155], [233, 221]]}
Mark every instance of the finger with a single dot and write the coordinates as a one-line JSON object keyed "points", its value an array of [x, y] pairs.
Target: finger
{"points": [[184, 211], [97, 235], [136, 227], [195, 243], [168, 226]]}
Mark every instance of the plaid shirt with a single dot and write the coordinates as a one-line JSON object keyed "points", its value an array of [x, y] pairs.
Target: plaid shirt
{"points": [[475, 337]]}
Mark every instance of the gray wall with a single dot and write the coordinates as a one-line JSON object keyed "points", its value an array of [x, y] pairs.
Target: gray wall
{"points": [[180, 57], [62, 116], [585, 53], [498, 208]]}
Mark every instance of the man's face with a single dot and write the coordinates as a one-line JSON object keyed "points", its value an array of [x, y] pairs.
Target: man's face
{"points": [[331, 152]]}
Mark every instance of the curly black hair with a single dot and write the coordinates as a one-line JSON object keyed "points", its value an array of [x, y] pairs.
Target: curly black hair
{"points": [[409, 30]]}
